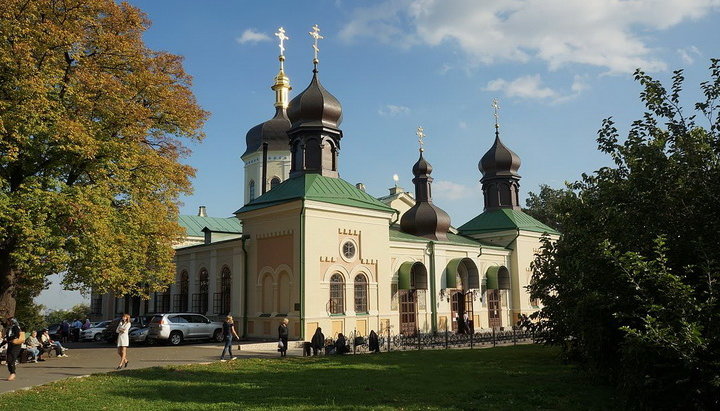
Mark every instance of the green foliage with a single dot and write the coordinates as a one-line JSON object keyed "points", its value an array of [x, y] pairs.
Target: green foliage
{"points": [[27, 312], [631, 288], [525, 377], [79, 312], [92, 124], [544, 206]]}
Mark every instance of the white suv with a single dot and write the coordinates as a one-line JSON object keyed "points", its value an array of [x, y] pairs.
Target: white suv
{"points": [[178, 327]]}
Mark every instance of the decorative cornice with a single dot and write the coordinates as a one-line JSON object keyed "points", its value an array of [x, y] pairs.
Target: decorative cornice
{"points": [[274, 234]]}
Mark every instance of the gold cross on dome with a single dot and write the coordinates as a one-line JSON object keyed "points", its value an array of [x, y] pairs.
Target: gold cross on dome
{"points": [[496, 108], [316, 35], [281, 35], [421, 135]]}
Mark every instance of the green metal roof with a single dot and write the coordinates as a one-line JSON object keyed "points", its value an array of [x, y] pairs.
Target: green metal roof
{"points": [[318, 188], [194, 224], [397, 235], [502, 220]]}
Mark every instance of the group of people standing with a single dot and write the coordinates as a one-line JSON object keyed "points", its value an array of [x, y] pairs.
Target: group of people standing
{"points": [[70, 331]]}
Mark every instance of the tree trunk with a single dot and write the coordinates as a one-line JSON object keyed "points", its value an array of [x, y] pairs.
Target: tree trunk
{"points": [[7, 286]]}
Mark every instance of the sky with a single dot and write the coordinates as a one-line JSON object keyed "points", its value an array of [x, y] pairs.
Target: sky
{"points": [[557, 68]]}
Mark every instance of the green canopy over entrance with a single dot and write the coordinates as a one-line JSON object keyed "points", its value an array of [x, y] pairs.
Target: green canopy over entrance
{"points": [[473, 278], [498, 278], [412, 276]]}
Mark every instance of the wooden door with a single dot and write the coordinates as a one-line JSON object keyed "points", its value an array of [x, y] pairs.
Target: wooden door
{"points": [[408, 312], [494, 309], [469, 325], [456, 308]]}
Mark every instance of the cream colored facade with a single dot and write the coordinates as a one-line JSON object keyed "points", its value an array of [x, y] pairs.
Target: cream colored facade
{"points": [[278, 167]]}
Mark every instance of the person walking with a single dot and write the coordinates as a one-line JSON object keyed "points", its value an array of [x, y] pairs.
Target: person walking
{"points": [[123, 341], [13, 339], [283, 335], [318, 341], [228, 333]]}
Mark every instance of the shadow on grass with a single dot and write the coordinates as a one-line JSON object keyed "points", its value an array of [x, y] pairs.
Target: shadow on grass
{"points": [[507, 377]]}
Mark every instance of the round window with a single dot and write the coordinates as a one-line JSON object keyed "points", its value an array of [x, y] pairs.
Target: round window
{"points": [[348, 250]]}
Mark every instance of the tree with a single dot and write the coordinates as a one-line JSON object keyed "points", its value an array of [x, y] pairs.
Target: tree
{"points": [[77, 312], [631, 287], [92, 124], [545, 205]]}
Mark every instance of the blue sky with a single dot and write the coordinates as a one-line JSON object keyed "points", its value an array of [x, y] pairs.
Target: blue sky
{"points": [[558, 68]]}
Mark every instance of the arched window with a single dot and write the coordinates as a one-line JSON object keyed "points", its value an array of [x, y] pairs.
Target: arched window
{"points": [[200, 300], [267, 294], [180, 303], [251, 190], [225, 288], [361, 294], [274, 182], [337, 294]]}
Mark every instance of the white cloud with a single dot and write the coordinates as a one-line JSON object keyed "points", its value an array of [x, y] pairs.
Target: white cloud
{"points": [[531, 87], [686, 54], [450, 191], [604, 33], [392, 110], [462, 125], [525, 87], [252, 36]]}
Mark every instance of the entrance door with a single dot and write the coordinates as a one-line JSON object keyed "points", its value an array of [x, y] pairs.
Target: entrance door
{"points": [[408, 312], [494, 309], [457, 305], [469, 325]]}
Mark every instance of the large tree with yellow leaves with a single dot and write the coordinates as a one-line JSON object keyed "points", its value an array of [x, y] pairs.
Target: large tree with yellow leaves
{"points": [[92, 125]]}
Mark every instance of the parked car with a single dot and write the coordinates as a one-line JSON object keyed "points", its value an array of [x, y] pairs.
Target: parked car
{"points": [[139, 335], [109, 335], [178, 327], [94, 333]]}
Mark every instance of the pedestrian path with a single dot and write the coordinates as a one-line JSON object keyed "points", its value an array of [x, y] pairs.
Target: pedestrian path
{"points": [[90, 358]]}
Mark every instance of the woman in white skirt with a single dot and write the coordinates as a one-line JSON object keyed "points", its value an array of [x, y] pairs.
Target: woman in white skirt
{"points": [[123, 341]]}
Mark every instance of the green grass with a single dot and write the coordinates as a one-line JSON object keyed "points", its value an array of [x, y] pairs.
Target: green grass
{"points": [[520, 377]]}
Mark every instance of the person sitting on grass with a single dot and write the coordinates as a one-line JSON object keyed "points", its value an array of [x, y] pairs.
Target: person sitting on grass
{"points": [[50, 344], [33, 346]]}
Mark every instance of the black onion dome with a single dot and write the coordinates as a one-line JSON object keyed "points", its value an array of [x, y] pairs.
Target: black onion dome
{"points": [[315, 106], [273, 132], [422, 167], [499, 160]]}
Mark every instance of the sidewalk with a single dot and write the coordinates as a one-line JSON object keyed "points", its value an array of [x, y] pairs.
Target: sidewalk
{"points": [[92, 358]]}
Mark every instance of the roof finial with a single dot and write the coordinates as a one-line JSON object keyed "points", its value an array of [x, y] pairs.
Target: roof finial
{"points": [[316, 35], [281, 35], [421, 135], [496, 108]]}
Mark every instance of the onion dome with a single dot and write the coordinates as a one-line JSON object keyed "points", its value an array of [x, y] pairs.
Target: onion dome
{"points": [[315, 107], [421, 167], [425, 219], [273, 132], [499, 160]]}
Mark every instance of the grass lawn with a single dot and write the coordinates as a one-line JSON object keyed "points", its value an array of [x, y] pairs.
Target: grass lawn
{"points": [[515, 377]]}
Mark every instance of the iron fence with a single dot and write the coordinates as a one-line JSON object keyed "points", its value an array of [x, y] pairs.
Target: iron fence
{"points": [[440, 340]]}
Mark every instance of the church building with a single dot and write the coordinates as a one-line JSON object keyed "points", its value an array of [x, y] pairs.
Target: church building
{"points": [[313, 248]]}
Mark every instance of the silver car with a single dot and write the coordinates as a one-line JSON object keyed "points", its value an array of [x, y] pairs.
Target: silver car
{"points": [[178, 327]]}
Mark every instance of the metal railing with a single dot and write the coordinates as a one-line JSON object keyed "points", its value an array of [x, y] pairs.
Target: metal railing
{"points": [[221, 303], [440, 340], [180, 303], [200, 303]]}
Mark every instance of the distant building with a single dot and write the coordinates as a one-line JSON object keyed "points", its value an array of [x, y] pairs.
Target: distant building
{"points": [[311, 247]]}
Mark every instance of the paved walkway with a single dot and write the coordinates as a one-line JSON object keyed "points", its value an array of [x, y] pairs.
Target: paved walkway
{"points": [[92, 358]]}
